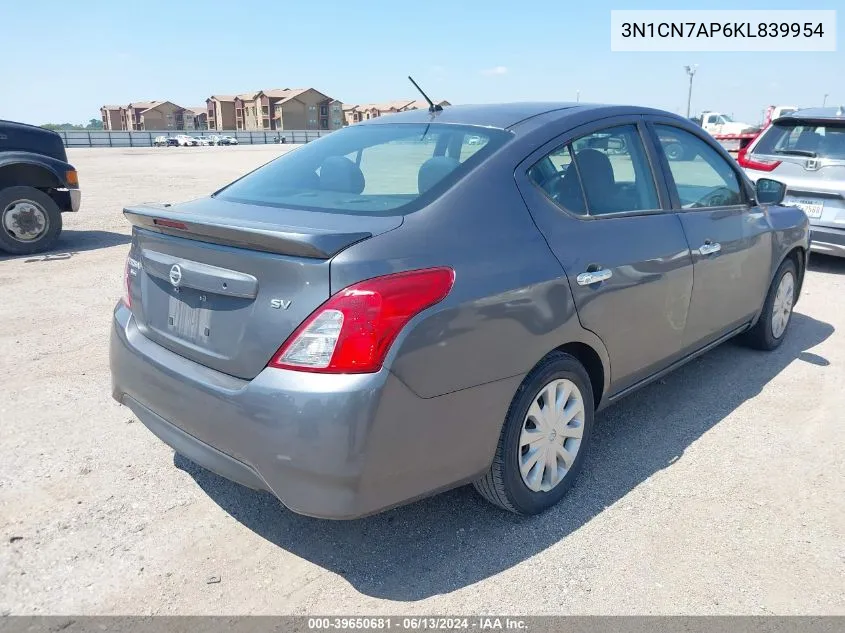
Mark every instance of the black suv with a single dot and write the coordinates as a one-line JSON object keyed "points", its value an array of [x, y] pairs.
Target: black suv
{"points": [[37, 185]]}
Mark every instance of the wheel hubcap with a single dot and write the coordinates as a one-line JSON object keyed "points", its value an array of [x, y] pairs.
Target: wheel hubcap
{"points": [[551, 435], [782, 308], [25, 220]]}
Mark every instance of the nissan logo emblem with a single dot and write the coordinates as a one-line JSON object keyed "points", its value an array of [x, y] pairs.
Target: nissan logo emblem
{"points": [[175, 275]]}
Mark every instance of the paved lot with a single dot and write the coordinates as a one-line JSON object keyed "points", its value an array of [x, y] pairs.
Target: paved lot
{"points": [[718, 490]]}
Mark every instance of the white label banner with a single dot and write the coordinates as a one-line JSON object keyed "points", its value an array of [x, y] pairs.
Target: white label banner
{"points": [[723, 31]]}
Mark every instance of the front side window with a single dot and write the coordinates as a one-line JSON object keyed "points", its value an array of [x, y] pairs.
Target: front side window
{"points": [[600, 173], [368, 169], [703, 178]]}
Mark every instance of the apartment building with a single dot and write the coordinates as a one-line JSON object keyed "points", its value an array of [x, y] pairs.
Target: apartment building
{"points": [[112, 116], [356, 113], [196, 118], [276, 109], [220, 112]]}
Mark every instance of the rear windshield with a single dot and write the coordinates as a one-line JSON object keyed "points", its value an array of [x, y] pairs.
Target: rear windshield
{"points": [[383, 169], [819, 139]]}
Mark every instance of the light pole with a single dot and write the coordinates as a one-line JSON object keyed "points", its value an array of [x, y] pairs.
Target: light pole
{"points": [[824, 101], [691, 72]]}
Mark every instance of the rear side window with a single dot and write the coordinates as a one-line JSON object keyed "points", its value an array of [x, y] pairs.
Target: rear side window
{"points": [[797, 138], [703, 178], [382, 169], [600, 173]]}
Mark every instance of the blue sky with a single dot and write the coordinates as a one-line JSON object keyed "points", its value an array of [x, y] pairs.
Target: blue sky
{"points": [[467, 51]]}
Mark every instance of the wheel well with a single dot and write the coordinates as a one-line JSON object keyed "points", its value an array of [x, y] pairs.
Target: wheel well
{"points": [[591, 361], [797, 256], [27, 175]]}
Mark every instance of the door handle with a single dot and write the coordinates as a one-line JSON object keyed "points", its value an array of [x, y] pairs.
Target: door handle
{"points": [[708, 248], [594, 277]]}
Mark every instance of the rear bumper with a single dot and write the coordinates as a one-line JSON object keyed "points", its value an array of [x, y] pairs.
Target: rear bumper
{"points": [[827, 240], [329, 446]]}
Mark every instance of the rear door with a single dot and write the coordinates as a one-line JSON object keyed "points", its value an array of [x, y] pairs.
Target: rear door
{"points": [[600, 205], [729, 239]]}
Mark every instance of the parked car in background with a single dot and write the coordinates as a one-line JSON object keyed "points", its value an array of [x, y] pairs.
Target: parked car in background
{"points": [[173, 141], [185, 141], [375, 317], [228, 140], [160, 141], [37, 185], [200, 140], [806, 151], [213, 139]]}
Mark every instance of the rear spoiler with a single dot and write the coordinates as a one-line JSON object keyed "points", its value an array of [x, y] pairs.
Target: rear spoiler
{"points": [[258, 236]]}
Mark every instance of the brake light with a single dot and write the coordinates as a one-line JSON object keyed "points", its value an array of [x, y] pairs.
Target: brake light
{"points": [[173, 224], [127, 299], [353, 331], [762, 164]]}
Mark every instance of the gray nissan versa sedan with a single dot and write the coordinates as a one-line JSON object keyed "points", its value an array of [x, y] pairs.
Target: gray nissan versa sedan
{"points": [[435, 298]]}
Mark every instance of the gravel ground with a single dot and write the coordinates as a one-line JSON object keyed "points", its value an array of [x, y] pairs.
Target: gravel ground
{"points": [[718, 490]]}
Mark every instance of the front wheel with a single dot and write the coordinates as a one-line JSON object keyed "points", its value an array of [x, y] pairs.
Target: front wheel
{"points": [[544, 438], [30, 220], [770, 330]]}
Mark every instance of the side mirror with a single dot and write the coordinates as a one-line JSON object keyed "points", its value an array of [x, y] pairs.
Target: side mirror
{"points": [[770, 191]]}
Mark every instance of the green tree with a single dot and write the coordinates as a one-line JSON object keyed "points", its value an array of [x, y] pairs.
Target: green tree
{"points": [[62, 126]]}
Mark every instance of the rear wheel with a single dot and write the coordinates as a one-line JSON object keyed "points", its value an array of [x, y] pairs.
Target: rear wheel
{"points": [[544, 438], [30, 220], [770, 330]]}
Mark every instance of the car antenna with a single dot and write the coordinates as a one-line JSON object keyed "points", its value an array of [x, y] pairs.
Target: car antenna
{"points": [[431, 106]]}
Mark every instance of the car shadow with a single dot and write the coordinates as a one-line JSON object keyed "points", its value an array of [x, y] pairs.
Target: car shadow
{"points": [[827, 263], [455, 539], [71, 242]]}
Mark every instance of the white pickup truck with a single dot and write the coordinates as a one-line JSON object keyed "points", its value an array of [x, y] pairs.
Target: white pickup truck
{"points": [[717, 123]]}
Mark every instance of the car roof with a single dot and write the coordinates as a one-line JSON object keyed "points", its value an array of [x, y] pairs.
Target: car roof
{"points": [[508, 116], [497, 115], [832, 114]]}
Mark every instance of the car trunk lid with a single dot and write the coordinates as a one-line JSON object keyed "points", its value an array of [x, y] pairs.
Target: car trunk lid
{"points": [[224, 284]]}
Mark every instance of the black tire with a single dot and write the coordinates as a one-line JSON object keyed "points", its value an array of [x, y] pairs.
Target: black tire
{"points": [[503, 484], [762, 336], [674, 151], [44, 241]]}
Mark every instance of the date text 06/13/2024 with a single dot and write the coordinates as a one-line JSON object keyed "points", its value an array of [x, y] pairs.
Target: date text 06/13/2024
{"points": [[416, 624]]}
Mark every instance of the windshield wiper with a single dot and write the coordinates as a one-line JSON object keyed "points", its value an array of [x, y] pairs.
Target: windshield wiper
{"points": [[797, 152]]}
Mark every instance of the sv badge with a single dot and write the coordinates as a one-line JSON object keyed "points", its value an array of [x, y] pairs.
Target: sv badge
{"points": [[280, 304]]}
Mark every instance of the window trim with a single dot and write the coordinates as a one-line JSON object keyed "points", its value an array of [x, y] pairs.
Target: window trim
{"points": [[573, 134], [745, 188]]}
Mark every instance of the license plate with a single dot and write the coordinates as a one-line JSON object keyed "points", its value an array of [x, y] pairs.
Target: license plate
{"points": [[188, 318], [811, 208]]}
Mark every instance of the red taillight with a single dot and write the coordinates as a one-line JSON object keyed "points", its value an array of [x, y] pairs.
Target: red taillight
{"points": [[353, 330], [761, 164], [173, 224], [127, 299]]}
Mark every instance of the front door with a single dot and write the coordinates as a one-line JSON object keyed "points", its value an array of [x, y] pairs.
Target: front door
{"points": [[594, 196], [730, 240]]}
